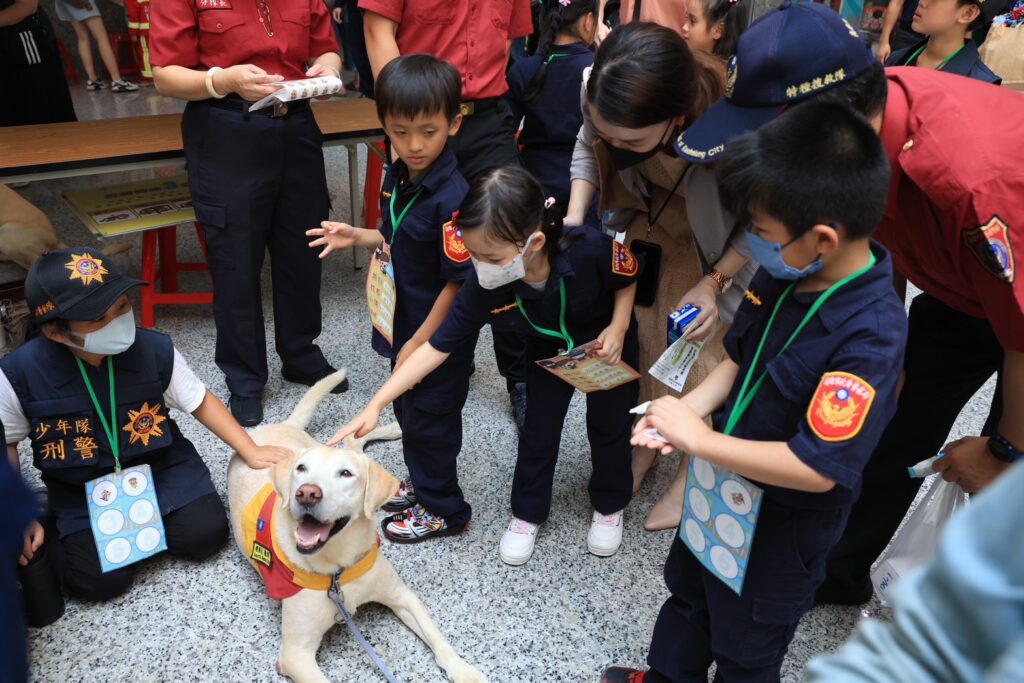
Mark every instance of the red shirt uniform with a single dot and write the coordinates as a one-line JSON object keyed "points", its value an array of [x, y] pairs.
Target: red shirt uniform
{"points": [[469, 34], [230, 32], [954, 220]]}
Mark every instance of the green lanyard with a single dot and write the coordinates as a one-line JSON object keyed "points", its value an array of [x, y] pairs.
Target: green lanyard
{"points": [[564, 336], [108, 427], [943, 63], [744, 398], [396, 222], [556, 55]]}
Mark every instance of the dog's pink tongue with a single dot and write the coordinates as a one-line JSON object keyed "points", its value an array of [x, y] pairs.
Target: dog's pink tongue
{"points": [[310, 531]]}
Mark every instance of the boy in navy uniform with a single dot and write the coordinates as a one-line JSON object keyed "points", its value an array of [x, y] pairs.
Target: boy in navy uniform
{"points": [[418, 103], [946, 47], [54, 390], [799, 406]]}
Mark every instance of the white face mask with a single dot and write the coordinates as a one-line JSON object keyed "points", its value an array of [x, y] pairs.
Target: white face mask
{"points": [[113, 338], [492, 276]]}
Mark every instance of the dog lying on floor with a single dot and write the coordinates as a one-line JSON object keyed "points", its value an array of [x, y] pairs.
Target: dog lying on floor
{"points": [[307, 518]]}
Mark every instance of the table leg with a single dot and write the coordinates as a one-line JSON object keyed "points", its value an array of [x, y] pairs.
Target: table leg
{"points": [[169, 259]]}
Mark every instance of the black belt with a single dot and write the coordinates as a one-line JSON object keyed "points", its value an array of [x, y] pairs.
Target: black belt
{"points": [[479, 106], [276, 111]]}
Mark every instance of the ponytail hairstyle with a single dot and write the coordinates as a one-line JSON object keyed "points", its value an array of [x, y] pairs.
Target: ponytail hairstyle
{"points": [[644, 74], [728, 14], [557, 17], [509, 204]]}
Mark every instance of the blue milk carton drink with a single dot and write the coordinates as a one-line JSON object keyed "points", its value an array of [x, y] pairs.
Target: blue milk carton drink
{"points": [[679, 321]]}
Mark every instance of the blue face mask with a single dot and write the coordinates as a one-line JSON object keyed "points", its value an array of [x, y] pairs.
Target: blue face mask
{"points": [[769, 256]]}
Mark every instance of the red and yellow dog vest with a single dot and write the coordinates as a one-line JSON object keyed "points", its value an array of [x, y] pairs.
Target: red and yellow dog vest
{"points": [[282, 578]]}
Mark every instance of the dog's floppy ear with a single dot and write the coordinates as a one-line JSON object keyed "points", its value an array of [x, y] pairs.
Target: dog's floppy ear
{"points": [[380, 484], [281, 478]]}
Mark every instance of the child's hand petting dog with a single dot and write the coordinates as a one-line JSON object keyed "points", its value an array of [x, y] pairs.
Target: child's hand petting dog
{"points": [[262, 457], [360, 426]]}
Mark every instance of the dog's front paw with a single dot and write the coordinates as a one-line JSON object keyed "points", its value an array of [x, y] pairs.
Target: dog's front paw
{"points": [[461, 672]]}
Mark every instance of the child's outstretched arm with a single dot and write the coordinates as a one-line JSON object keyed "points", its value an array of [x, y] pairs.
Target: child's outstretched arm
{"points": [[421, 363], [332, 236], [437, 314], [611, 337], [771, 462], [215, 417]]}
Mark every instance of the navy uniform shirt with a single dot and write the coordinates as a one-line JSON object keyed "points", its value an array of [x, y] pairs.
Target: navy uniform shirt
{"points": [[553, 118], [593, 267], [68, 441], [418, 251], [966, 62], [833, 391]]}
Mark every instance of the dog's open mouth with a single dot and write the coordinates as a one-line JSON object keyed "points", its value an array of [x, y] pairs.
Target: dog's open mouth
{"points": [[312, 533]]}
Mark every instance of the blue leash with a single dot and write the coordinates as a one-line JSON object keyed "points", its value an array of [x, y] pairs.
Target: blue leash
{"points": [[334, 593]]}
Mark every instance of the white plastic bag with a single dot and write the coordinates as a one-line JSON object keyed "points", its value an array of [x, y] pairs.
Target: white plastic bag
{"points": [[917, 540]]}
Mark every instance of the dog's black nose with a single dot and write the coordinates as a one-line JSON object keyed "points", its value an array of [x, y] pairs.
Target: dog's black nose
{"points": [[308, 495]]}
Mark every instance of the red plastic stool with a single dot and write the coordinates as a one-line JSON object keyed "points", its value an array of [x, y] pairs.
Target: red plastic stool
{"points": [[167, 239], [70, 72], [371, 184], [124, 53]]}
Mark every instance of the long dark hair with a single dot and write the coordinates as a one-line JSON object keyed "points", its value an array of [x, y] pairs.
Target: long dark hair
{"points": [[509, 203], [729, 14], [556, 18], [644, 74]]}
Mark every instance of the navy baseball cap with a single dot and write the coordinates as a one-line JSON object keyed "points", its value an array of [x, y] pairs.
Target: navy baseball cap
{"points": [[790, 54], [77, 283]]}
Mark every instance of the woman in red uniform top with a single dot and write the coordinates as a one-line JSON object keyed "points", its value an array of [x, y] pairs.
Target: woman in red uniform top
{"points": [[257, 178]]}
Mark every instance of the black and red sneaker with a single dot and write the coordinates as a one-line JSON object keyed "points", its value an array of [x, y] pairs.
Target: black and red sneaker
{"points": [[402, 499], [623, 674], [417, 524]]}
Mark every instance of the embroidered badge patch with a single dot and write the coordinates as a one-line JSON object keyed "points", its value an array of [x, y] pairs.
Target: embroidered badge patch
{"points": [[840, 406], [754, 299], [623, 261], [261, 554], [990, 244], [454, 248], [144, 424], [86, 269]]}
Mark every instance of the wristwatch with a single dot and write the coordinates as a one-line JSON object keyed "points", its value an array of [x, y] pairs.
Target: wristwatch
{"points": [[720, 279], [1002, 449]]}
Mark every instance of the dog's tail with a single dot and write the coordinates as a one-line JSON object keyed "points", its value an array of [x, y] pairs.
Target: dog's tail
{"points": [[303, 412], [388, 432]]}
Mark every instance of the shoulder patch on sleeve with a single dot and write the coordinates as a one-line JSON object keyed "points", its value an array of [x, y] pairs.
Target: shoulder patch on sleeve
{"points": [[454, 248], [623, 260], [990, 244], [839, 406]]}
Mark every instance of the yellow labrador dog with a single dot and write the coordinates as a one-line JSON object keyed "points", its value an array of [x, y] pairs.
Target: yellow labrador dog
{"points": [[308, 518]]}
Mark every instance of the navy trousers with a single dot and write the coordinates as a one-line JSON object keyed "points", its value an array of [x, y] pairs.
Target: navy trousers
{"points": [[258, 183], [430, 415], [609, 426], [747, 635]]}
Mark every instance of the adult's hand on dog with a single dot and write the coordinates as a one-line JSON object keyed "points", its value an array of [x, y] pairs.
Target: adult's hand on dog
{"points": [[362, 425], [262, 457], [34, 536]]}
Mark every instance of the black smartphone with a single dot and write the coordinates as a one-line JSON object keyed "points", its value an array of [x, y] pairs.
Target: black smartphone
{"points": [[649, 255]]}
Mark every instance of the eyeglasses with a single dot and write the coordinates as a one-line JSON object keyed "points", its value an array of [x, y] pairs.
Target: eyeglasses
{"points": [[264, 11]]}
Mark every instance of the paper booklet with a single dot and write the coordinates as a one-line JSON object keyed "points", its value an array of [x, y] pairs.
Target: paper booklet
{"points": [[289, 91]]}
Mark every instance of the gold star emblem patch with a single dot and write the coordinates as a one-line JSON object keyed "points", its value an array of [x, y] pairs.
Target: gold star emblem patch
{"points": [[86, 268], [144, 423]]}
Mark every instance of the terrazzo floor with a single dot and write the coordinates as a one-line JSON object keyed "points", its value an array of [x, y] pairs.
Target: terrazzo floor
{"points": [[562, 617]]}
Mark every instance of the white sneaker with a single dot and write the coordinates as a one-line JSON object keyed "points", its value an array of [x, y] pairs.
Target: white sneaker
{"points": [[517, 542], [605, 534]]}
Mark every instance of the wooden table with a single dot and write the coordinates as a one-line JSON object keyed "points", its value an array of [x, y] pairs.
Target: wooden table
{"points": [[62, 150]]}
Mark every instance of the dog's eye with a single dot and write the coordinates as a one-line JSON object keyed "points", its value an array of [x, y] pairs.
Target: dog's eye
{"points": [[345, 474], [300, 468]]}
